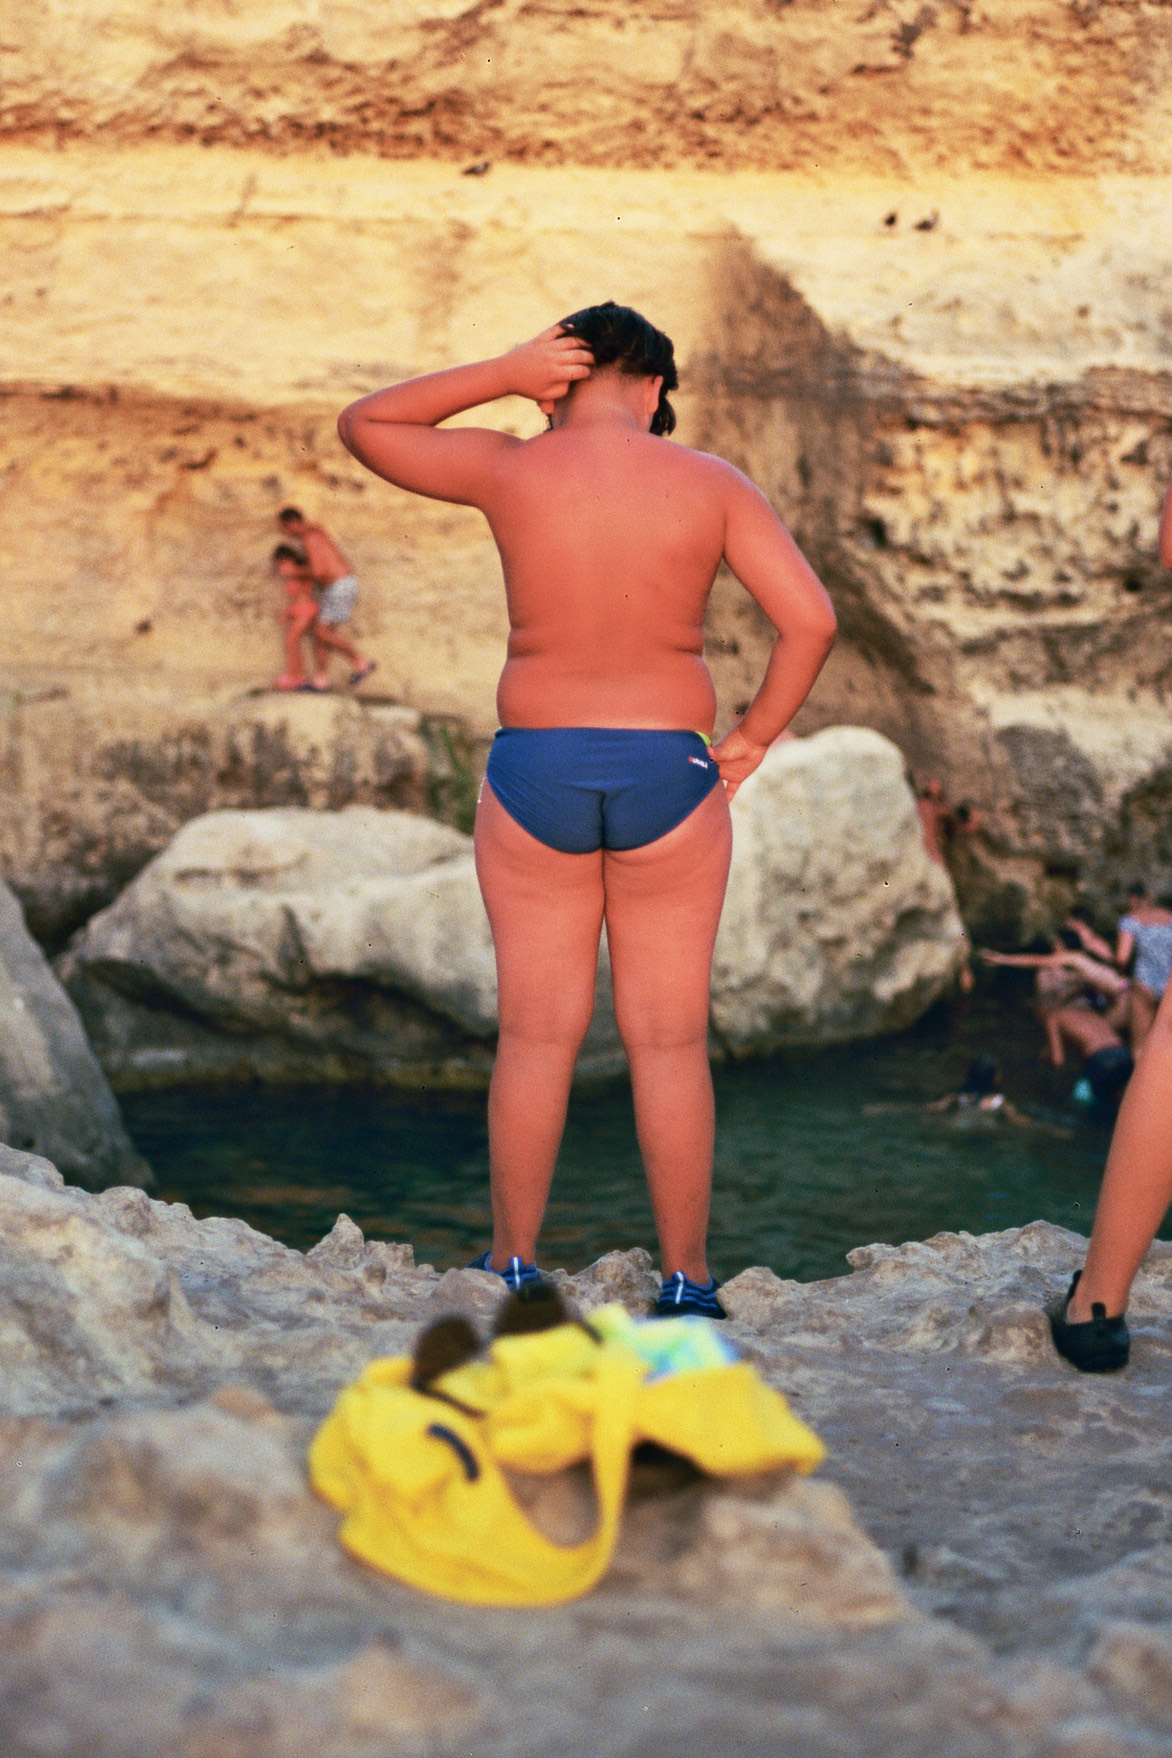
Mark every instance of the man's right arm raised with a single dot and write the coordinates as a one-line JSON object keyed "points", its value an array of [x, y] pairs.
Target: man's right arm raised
{"points": [[395, 432]]}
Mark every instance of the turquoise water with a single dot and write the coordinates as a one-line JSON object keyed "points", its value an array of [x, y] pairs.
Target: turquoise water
{"points": [[803, 1170]]}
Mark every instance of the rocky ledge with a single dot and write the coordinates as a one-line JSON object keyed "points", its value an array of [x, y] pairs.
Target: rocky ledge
{"points": [[983, 1568]]}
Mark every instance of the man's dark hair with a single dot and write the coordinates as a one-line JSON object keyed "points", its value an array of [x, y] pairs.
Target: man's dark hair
{"points": [[618, 336], [1137, 888], [288, 514], [285, 552]]}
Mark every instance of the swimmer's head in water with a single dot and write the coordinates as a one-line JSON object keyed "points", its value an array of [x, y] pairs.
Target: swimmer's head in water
{"points": [[983, 1077], [618, 336]]}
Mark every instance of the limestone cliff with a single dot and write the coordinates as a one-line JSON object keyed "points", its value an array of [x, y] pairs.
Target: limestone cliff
{"points": [[914, 258]]}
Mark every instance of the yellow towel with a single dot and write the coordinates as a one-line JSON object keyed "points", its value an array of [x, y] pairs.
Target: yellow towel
{"points": [[420, 1482]]}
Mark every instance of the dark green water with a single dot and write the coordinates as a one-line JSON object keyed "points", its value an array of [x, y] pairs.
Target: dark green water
{"points": [[803, 1172]]}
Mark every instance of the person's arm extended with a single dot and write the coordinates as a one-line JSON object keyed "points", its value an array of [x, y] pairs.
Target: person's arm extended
{"points": [[771, 567], [1091, 942], [1166, 531], [1104, 979], [394, 432], [1124, 947], [1022, 961]]}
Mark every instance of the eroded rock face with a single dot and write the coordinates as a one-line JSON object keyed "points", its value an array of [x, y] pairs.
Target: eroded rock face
{"points": [[54, 1098], [355, 944], [169, 1585], [93, 790], [744, 85], [953, 384]]}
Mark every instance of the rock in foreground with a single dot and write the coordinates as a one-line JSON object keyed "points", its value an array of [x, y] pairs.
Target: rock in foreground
{"points": [[354, 945], [54, 1099], [169, 1588]]}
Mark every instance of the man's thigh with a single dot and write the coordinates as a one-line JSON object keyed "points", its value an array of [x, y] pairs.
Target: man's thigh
{"points": [[663, 904], [545, 910]]}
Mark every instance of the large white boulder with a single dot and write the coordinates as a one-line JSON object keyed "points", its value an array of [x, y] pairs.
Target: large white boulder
{"points": [[350, 943], [837, 924], [354, 944]]}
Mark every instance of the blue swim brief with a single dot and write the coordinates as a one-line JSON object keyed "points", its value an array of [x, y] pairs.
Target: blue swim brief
{"points": [[581, 788]]}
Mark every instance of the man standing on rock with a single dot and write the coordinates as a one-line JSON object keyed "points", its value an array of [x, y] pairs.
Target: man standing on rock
{"points": [[603, 800], [338, 589]]}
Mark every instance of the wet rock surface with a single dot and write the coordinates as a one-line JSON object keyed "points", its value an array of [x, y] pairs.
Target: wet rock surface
{"points": [[983, 1567], [54, 1097]]}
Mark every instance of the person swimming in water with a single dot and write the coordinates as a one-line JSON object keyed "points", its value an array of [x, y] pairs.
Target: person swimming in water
{"points": [[978, 1099], [603, 799]]}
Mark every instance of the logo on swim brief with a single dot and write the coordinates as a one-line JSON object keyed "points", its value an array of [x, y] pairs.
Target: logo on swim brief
{"points": [[700, 762]]}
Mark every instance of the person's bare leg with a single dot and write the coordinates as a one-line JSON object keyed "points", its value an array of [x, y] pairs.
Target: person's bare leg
{"points": [[1141, 1014], [325, 638], [1055, 1053], [1137, 1184], [545, 909], [663, 906], [300, 620]]}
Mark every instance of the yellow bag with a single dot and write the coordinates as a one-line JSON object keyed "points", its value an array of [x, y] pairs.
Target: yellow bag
{"points": [[420, 1481]]}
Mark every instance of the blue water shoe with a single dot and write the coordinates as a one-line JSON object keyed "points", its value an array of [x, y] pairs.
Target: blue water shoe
{"points": [[515, 1275], [678, 1295]]}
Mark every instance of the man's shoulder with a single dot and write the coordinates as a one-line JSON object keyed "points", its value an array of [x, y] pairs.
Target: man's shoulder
{"points": [[717, 473]]}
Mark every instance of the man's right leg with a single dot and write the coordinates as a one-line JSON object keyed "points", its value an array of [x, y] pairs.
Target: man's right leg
{"points": [[545, 910]]}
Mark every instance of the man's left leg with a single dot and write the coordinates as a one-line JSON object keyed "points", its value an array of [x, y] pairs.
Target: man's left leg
{"points": [[663, 904]]}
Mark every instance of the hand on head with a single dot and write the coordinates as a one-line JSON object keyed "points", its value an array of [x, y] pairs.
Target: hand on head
{"points": [[546, 367]]}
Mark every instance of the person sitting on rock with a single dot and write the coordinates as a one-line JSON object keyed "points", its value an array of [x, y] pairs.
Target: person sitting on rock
{"points": [[1106, 1062], [1145, 935], [1089, 1324], [603, 800], [1066, 976]]}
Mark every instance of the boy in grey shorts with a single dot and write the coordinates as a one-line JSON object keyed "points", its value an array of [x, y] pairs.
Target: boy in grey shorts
{"points": [[338, 594]]}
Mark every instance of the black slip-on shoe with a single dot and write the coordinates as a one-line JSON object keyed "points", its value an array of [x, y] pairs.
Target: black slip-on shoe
{"points": [[1099, 1345]]}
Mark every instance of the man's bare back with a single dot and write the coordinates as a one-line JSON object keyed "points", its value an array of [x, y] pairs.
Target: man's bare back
{"points": [[609, 539], [326, 561], [601, 802]]}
